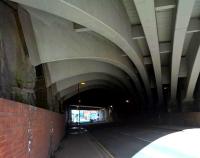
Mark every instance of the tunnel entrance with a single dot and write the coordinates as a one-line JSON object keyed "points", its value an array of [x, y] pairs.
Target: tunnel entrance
{"points": [[118, 105], [80, 114]]}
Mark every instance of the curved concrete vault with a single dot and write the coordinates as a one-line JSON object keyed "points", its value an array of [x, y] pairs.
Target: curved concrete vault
{"points": [[54, 34], [58, 71], [70, 91], [135, 43], [63, 84], [115, 27], [62, 72]]}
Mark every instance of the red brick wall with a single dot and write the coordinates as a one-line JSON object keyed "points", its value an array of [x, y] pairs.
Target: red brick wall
{"points": [[27, 131]]}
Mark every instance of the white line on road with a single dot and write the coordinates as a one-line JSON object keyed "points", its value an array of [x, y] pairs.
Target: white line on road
{"points": [[142, 139], [145, 140]]}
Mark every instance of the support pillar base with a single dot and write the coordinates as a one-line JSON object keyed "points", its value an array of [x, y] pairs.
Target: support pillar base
{"points": [[187, 105], [173, 106]]}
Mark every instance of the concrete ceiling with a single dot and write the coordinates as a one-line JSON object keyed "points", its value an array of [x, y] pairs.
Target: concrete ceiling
{"points": [[70, 91], [135, 43]]}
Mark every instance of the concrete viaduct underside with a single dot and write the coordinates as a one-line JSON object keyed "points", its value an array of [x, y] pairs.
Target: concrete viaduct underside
{"points": [[146, 47]]}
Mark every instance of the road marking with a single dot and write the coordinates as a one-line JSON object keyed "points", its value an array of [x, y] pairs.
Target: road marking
{"points": [[104, 149], [165, 128], [145, 140], [100, 145]]}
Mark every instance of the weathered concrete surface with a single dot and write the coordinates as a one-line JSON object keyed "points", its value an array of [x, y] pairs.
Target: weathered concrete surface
{"points": [[107, 18], [17, 79], [55, 34]]}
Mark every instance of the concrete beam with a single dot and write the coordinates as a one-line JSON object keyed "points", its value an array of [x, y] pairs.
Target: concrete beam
{"points": [[161, 5], [147, 60], [165, 47], [137, 32], [193, 66], [184, 10], [146, 12], [166, 70], [30, 39], [80, 28], [183, 72], [194, 25]]}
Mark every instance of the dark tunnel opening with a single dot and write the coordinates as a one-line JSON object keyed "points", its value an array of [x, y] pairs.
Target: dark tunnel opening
{"points": [[125, 107]]}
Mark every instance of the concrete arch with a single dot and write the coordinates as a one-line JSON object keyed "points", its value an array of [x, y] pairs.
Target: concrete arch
{"points": [[149, 23], [55, 34], [84, 89], [182, 21], [111, 22], [57, 71], [114, 85], [110, 84], [61, 85], [69, 92]]}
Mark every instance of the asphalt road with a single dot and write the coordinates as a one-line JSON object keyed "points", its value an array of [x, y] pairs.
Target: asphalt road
{"points": [[127, 141], [124, 141], [80, 144]]}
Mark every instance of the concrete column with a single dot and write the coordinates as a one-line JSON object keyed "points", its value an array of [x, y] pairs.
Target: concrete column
{"points": [[187, 105], [193, 66], [172, 106], [184, 11], [146, 12]]}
